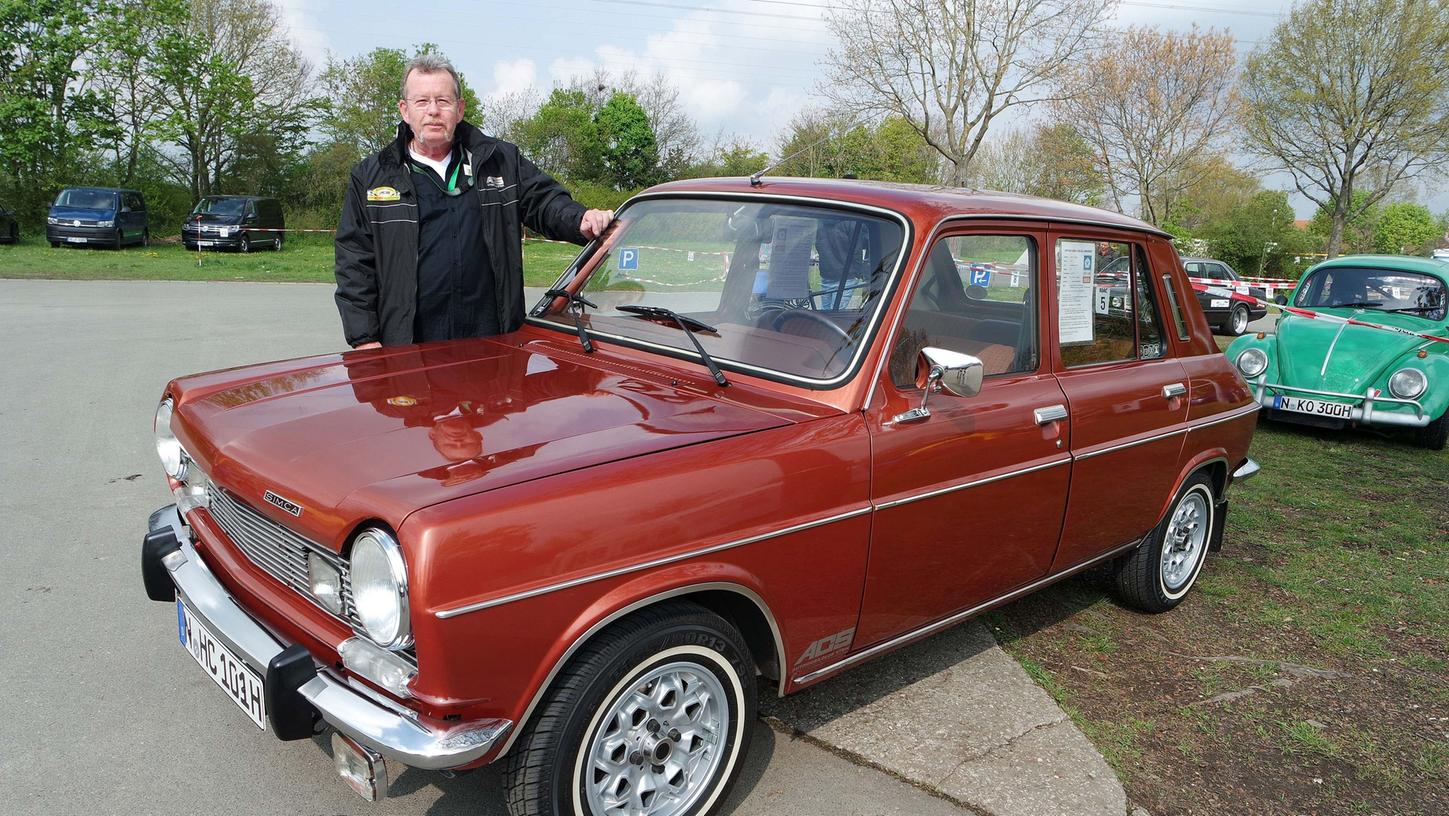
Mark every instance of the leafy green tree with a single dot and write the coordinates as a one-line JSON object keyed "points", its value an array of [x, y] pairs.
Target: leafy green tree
{"points": [[1357, 233], [831, 144], [51, 111], [227, 70], [1405, 228], [1347, 87], [630, 155], [563, 138], [1245, 236], [359, 97]]}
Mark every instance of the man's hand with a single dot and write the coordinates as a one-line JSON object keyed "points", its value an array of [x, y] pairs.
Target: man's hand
{"points": [[595, 222], [372, 345]]}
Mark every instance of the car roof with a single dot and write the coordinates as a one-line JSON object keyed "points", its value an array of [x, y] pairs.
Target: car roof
{"points": [[1401, 263], [247, 197], [102, 189], [922, 202]]}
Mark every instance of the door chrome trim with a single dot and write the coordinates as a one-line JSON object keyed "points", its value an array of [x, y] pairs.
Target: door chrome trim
{"points": [[444, 614], [1173, 390], [951, 620], [1218, 420], [724, 586], [975, 483], [1132, 444]]}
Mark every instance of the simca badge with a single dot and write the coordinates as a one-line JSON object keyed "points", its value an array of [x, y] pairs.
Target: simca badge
{"points": [[402, 402], [285, 504]]}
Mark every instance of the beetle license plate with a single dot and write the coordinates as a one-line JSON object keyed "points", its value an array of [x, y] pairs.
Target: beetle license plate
{"points": [[236, 678], [1317, 407]]}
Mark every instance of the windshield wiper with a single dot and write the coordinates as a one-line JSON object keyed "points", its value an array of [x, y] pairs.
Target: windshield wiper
{"points": [[577, 303], [1418, 309], [686, 323], [1355, 304]]}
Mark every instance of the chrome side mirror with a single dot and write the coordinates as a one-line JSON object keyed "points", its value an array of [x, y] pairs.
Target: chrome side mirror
{"points": [[958, 374]]}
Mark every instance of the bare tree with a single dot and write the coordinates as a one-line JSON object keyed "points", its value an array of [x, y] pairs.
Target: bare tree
{"points": [[1048, 160], [1150, 102], [951, 67], [503, 113], [1344, 88]]}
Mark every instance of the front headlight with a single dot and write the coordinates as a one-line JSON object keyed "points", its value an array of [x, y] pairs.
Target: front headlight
{"points": [[173, 458], [1408, 383], [1252, 362], [111, 223], [380, 589], [50, 219]]}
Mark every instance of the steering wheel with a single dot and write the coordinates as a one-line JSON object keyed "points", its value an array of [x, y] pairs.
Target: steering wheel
{"points": [[816, 317]]}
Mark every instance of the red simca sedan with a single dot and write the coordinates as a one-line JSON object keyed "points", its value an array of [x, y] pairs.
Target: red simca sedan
{"points": [[762, 429]]}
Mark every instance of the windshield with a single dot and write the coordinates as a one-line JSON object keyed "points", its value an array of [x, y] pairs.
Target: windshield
{"points": [[86, 199], [220, 206], [790, 289], [1387, 290]]}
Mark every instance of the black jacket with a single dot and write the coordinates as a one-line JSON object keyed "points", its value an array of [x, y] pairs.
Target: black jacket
{"points": [[377, 238]]}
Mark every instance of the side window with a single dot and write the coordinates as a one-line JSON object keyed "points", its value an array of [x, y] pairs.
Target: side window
{"points": [[1195, 269], [1221, 273], [975, 295], [1106, 308]]}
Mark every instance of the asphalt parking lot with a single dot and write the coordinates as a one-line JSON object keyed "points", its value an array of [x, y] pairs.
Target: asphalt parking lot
{"points": [[104, 712]]}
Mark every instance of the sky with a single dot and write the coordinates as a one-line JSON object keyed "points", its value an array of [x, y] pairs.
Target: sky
{"points": [[743, 67]]}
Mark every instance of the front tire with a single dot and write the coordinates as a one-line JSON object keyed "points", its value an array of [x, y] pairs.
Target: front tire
{"points": [[1435, 434], [1158, 574], [653, 715]]}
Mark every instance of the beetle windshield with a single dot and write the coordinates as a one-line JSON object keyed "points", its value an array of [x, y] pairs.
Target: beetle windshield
{"points": [[220, 206], [789, 289], [1385, 290]]}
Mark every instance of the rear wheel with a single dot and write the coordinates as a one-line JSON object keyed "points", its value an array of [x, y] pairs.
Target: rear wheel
{"points": [[1238, 320], [652, 716], [1435, 434], [1158, 574], [146, 238], [277, 244], [246, 244]]}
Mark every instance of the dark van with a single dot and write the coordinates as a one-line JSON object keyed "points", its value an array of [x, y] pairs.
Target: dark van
{"points": [[234, 222], [98, 216]]}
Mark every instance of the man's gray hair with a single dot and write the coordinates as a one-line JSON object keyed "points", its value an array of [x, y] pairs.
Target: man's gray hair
{"points": [[430, 64]]}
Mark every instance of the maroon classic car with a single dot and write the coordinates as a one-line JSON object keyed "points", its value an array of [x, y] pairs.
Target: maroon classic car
{"points": [[763, 429]]}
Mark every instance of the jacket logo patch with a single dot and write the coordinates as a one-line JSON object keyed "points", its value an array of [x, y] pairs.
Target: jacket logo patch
{"points": [[285, 504], [383, 194], [496, 182]]}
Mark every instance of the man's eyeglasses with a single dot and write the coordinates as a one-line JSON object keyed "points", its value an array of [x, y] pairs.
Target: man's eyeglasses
{"points": [[424, 103]]}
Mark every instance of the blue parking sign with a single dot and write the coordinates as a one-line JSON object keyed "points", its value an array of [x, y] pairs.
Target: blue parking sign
{"points": [[980, 276], [629, 258]]}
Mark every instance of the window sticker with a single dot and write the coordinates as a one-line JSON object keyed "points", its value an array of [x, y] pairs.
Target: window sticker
{"points": [[1076, 271]]}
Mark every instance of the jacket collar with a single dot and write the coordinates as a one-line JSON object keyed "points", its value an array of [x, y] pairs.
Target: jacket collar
{"points": [[478, 145]]}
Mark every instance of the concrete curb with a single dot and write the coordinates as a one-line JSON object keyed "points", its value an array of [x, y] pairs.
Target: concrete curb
{"points": [[956, 716]]}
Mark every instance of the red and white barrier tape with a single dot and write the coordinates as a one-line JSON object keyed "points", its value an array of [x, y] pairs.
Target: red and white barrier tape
{"points": [[1331, 318]]}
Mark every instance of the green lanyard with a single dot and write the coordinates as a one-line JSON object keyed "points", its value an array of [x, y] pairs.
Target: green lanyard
{"points": [[452, 188]]}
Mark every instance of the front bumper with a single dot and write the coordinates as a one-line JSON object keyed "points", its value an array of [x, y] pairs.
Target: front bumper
{"points": [[1365, 406], [300, 691], [66, 233], [212, 240]]}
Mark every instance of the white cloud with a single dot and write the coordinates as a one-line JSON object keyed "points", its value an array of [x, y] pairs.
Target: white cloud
{"points": [[309, 37], [513, 76]]}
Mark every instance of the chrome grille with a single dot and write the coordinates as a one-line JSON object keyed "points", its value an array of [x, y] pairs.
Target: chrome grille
{"points": [[276, 549]]}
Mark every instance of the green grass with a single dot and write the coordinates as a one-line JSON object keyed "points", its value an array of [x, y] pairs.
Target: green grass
{"points": [[304, 258]]}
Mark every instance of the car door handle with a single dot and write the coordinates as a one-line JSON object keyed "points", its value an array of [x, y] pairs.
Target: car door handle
{"points": [[1174, 390], [1050, 414]]}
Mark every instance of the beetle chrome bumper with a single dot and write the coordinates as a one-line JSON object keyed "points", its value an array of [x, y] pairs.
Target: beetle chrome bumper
{"points": [[395, 733], [1364, 405]]}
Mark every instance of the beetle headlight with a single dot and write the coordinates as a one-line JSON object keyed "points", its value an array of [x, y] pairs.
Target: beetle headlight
{"points": [[380, 588], [1252, 362], [1408, 383], [168, 447]]}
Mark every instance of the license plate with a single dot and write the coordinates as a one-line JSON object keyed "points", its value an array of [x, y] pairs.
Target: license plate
{"points": [[1217, 304], [1317, 407], [236, 678], [206, 243], [72, 240]]}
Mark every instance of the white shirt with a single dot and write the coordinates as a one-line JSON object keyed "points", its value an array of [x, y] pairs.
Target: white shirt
{"points": [[440, 166]]}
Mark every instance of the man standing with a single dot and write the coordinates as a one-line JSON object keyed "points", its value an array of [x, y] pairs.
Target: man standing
{"points": [[430, 242]]}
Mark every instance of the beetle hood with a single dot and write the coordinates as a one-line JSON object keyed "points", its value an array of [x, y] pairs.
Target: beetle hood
{"points": [[1356, 357], [389, 432]]}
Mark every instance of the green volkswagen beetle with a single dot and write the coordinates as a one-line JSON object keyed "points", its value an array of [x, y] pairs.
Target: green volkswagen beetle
{"points": [[1330, 373]]}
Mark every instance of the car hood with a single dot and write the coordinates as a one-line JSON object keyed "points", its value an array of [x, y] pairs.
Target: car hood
{"points": [[381, 434], [1357, 356], [212, 218], [83, 213]]}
